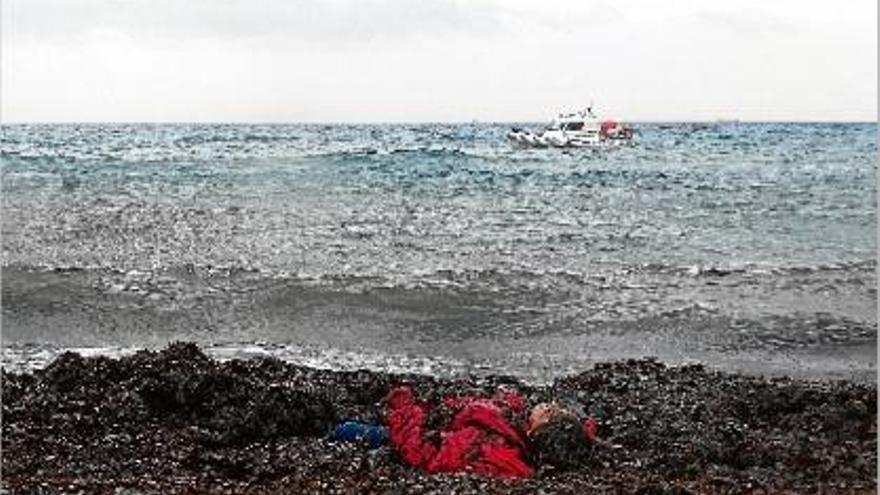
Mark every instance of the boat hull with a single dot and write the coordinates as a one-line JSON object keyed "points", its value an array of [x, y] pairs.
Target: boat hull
{"points": [[532, 140]]}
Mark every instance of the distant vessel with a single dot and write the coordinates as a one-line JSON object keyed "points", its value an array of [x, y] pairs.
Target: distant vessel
{"points": [[576, 130]]}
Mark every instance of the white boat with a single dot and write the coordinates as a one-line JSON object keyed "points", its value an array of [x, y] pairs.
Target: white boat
{"points": [[576, 130]]}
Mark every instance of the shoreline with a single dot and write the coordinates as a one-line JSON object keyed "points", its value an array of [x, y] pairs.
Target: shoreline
{"points": [[177, 421], [848, 362], [452, 331]]}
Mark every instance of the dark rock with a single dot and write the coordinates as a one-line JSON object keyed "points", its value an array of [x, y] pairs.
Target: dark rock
{"points": [[177, 421]]}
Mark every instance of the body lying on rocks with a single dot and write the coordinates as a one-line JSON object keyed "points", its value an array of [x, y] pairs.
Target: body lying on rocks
{"points": [[176, 421], [483, 436]]}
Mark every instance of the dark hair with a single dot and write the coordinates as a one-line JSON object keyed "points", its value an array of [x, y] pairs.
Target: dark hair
{"points": [[560, 443]]}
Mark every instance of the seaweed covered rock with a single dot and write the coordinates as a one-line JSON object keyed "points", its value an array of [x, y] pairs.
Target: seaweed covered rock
{"points": [[686, 422], [229, 408], [176, 421]]}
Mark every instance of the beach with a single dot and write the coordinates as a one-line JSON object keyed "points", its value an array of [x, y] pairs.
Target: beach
{"points": [[438, 247], [708, 293], [176, 421]]}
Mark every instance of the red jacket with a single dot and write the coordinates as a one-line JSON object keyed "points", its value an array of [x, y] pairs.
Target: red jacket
{"points": [[478, 439]]}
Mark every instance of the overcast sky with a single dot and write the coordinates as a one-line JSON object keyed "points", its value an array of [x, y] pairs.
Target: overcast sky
{"points": [[436, 60]]}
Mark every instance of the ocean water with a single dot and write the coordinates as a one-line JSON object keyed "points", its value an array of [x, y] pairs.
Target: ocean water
{"points": [[441, 248]]}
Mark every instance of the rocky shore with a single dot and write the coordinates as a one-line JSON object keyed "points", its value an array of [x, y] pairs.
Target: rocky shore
{"points": [[176, 421]]}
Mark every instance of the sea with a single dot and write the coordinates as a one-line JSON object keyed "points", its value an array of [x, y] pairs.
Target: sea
{"points": [[442, 248]]}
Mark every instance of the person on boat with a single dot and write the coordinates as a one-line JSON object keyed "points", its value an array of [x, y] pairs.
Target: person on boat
{"points": [[482, 436]]}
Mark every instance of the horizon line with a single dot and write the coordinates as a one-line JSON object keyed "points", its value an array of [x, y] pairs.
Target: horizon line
{"points": [[423, 122]]}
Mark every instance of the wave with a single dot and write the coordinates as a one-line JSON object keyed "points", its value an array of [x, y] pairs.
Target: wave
{"points": [[750, 269], [30, 357], [613, 276]]}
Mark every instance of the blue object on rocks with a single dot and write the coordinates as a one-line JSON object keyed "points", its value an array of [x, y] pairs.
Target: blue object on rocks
{"points": [[352, 431]]}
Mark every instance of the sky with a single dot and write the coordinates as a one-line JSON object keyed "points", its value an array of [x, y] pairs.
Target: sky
{"points": [[436, 60]]}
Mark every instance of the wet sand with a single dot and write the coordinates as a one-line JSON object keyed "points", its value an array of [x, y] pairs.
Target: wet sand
{"points": [[177, 421]]}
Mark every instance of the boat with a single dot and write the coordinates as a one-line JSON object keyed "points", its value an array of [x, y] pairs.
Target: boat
{"points": [[575, 130]]}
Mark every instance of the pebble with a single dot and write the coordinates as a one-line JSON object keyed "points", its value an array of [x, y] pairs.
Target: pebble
{"points": [[176, 421]]}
